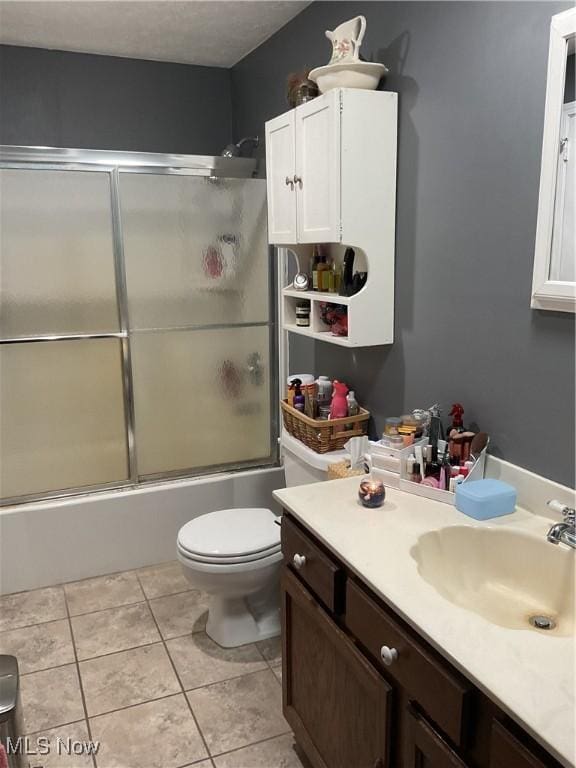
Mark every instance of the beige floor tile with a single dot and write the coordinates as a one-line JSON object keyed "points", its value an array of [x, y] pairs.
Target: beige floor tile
{"points": [[26, 608], [116, 629], [181, 614], [275, 753], [62, 753], [271, 649], [39, 647], [127, 678], [163, 579], [158, 734], [239, 712], [103, 592], [200, 661], [51, 698]]}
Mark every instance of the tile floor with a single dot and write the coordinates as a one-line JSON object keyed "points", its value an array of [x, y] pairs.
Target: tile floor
{"points": [[124, 659]]}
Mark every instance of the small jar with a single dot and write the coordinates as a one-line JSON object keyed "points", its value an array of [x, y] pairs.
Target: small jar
{"points": [[391, 425], [371, 493], [303, 315], [393, 441]]}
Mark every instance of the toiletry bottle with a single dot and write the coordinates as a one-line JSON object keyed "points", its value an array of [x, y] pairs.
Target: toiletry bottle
{"points": [[324, 390], [339, 406], [323, 271], [299, 399], [416, 474], [353, 407], [315, 263], [295, 385], [457, 411]]}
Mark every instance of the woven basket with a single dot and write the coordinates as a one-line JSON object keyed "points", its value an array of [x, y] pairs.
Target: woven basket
{"points": [[324, 435]]}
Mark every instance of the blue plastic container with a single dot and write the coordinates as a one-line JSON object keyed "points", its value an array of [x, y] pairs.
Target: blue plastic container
{"points": [[484, 499]]}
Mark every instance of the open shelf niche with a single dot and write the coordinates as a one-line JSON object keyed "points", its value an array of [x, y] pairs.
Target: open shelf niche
{"points": [[366, 313]]}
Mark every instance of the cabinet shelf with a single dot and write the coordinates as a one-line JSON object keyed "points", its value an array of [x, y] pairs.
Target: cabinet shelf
{"points": [[343, 341], [330, 298]]}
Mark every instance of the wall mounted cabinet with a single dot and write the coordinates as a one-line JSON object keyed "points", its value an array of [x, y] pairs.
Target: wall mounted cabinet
{"points": [[331, 174]]}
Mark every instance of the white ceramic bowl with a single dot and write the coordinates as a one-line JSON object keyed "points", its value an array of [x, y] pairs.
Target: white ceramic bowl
{"points": [[359, 74]]}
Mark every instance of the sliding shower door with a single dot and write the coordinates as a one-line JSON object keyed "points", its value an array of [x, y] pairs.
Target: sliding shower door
{"points": [[136, 327], [197, 276], [62, 413]]}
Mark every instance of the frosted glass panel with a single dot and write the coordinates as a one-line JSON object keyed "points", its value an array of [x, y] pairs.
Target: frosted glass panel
{"points": [[56, 255], [196, 250], [197, 404], [62, 416]]}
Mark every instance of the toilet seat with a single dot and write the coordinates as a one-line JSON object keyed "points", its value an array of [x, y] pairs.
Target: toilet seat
{"points": [[230, 536]]}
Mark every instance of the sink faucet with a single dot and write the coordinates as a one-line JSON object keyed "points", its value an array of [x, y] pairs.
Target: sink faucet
{"points": [[564, 532]]}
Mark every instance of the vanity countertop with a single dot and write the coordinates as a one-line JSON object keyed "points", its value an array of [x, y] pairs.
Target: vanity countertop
{"points": [[527, 673]]}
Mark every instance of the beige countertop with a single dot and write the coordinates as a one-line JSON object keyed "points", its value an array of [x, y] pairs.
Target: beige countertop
{"points": [[529, 674]]}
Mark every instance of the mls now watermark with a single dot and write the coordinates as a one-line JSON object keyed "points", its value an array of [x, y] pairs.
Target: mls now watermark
{"points": [[42, 745]]}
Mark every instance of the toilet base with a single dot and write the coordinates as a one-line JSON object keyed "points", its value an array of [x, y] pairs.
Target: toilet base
{"points": [[239, 621]]}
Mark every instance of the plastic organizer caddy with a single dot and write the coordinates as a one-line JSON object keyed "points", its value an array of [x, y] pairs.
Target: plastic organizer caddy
{"points": [[382, 460]]}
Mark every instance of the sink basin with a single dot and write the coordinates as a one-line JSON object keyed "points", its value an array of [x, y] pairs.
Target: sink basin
{"points": [[509, 577]]}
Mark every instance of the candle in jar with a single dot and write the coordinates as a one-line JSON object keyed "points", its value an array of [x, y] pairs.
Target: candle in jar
{"points": [[371, 493]]}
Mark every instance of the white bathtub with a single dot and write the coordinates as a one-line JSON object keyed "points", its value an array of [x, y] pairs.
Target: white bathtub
{"points": [[51, 542]]}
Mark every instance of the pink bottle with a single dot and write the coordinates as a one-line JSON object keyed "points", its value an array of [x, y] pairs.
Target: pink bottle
{"points": [[339, 405]]}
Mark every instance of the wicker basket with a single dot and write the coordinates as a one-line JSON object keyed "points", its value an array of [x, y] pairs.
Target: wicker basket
{"points": [[324, 435]]}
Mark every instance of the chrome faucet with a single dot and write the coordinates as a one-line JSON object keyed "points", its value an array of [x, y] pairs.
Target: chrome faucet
{"points": [[564, 532]]}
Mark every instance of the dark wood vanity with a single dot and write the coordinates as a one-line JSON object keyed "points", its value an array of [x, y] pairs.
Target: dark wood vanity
{"points": [[362, 689]]}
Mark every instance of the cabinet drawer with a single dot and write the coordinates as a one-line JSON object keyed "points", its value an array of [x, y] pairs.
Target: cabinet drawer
{"points": [[507, 752], [316, 569], [442, 694]]}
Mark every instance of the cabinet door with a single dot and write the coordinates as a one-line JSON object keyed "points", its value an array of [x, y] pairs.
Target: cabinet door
{"points": [[336, 702], [507, 752], [426, 748], [280, 169], [318, 169]]}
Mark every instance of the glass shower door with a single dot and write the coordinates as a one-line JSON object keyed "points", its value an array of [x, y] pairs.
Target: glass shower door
{"points": [[61, 380], [198, 288]]}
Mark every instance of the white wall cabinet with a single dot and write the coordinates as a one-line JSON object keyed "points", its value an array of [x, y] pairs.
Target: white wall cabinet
{"points": [[331, 174]]}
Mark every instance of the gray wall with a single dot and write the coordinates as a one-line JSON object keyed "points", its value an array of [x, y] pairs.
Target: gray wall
{"points": [[58, 99], [471, 78]]}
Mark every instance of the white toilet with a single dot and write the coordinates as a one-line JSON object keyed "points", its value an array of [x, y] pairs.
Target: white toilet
{"points": [[234, 555]]}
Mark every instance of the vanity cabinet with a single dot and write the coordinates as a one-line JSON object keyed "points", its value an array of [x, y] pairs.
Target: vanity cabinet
{"points": [[337, 701], [362, 689]]}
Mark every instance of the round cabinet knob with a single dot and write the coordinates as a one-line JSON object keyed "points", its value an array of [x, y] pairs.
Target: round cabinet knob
{"points": [[388, 655], [299, 561]]}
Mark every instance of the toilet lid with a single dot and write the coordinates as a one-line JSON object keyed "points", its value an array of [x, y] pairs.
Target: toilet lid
{"points": [[230, 533]]}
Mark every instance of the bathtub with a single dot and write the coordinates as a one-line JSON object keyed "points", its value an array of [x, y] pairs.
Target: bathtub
{"points": [[51, 542]]}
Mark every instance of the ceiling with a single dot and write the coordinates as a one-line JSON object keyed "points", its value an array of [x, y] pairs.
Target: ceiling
{"points": [[216, 33]]}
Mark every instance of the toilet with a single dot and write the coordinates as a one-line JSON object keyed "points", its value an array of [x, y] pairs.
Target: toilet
{"points": [[234, 555]]}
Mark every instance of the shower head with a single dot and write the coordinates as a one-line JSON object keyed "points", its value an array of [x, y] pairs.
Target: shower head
{"points": [[235, 150]]}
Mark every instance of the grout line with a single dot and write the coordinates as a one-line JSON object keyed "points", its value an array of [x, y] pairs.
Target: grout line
{"points": [[53, 727], [93, 756], [255, 743], [110, 608], [135, 704], [122, 650], [183, 692]]}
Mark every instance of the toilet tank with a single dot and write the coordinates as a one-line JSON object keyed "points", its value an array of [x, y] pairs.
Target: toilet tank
{"points": [[302, 465]]}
